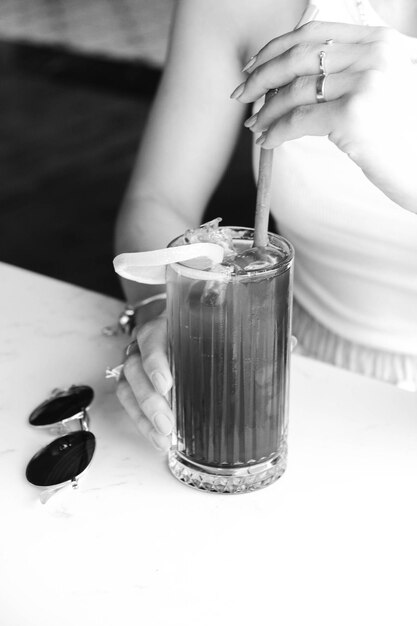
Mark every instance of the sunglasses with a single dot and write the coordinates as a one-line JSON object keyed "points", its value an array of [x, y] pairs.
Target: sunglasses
{"points": [[61, 462]]}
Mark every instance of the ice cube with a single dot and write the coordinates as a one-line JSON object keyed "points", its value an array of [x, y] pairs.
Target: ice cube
{"points": [[254, 259], [214, 293], [211, 233]]}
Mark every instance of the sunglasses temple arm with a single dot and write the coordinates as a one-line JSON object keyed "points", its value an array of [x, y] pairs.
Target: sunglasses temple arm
{"points": [[47, 494], [85, 421]]}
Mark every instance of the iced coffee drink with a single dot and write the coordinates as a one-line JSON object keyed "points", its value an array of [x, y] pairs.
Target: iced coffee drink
{"points": [[229, 331]]}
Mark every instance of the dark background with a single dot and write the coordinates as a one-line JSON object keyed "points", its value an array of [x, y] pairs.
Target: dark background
{"points": [[70, 127]]}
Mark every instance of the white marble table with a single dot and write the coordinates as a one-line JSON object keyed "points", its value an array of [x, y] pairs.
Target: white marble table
{"points": [[333, 542]]}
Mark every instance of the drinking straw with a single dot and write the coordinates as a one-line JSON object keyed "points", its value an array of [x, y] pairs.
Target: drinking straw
{"points": [[263, 195]]}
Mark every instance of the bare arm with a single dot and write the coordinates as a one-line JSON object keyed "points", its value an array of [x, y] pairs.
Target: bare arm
{"points": [[190, 134]]}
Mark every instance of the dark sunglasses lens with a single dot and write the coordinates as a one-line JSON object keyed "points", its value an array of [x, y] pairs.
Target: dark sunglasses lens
{"points": [[62, 460], [63, 406]]}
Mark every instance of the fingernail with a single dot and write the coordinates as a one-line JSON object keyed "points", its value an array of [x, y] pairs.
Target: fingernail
{"points": [[251, 121], [249, 64], [261, 140], [160, 383], [238, 91], [162, 423], [156, 443]]}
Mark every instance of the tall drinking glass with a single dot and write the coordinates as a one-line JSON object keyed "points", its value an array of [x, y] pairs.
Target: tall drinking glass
{"points": [[229, 348]]}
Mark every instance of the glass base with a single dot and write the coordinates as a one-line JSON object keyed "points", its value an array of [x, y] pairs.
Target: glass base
{"points": [[226, 480]]}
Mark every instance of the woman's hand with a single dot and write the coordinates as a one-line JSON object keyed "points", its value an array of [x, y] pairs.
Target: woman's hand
{"points": [[370, 98], [145, 380]]}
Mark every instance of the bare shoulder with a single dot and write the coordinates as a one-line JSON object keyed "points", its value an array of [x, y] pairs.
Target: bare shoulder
{"points": [[245, 24]]}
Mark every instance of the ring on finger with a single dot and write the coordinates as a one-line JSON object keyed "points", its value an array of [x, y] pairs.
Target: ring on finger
{"points": [[322, 57], [270, 94], [322, 62], [131, 348], [320, 86], [114, 372]]}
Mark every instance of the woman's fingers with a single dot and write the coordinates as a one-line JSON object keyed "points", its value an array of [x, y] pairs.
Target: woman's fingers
{"points": [[145, 380], [150, 402], [314, 32], [304, 60], [152, 342], [129, 403], [310, 119], [301, 91]]}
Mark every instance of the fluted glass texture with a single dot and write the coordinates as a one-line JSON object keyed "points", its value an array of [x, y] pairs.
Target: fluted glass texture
{"points": [[229, 347]]}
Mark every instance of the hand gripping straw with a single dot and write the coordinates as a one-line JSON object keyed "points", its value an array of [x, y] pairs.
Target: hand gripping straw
{"points": [[149, 267]]}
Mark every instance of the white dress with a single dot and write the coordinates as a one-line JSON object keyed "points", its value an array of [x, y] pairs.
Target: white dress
{"points": [[355, 281]]}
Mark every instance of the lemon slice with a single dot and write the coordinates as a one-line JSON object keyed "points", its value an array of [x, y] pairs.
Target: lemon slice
{"points": [[150, 267]]}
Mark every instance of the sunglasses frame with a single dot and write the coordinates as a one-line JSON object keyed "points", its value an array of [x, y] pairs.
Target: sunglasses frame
{"points": [[75, 423]]}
